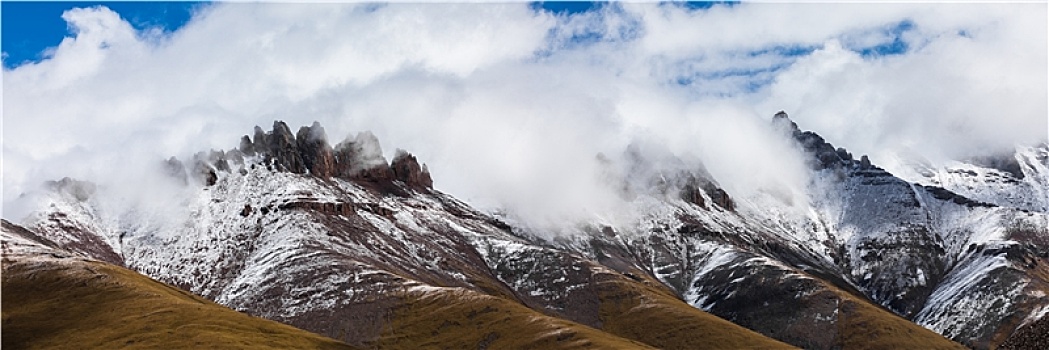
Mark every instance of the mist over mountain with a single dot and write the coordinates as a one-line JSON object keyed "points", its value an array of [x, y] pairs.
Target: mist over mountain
{"points": [[339, 241], [748, 175], [527, 99]]}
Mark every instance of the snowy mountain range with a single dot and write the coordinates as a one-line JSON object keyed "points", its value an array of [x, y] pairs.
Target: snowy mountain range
{"points": [[338, 241]]}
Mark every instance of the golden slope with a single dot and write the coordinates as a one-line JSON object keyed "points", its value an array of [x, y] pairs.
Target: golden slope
{"points": [[634, 315], [56, 301], [862, 325], [455, 318], [646, 311]]}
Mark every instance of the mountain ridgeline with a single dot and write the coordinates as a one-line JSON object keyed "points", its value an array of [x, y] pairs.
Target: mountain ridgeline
{"points": [[308, 152], [339, 242]]}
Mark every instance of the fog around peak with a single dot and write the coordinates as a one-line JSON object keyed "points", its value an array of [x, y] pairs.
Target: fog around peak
{"points": [[509, 106]]}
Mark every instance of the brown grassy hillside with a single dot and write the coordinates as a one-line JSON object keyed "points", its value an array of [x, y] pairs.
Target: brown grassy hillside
{"points": [[650, 314], [1032, 336], [55, 301], [862, 325], [455, 318]]}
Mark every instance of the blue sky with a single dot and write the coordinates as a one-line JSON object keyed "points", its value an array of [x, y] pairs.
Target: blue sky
{"points": [[28, 28], [572, 7]]}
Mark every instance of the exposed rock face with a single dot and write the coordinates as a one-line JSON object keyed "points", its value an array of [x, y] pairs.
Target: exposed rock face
{"points": [[1031, 336], [722, 199], [947, 195], [691, 193], [824, 155], [1005, 162], [865, 163], [360, 158], [357, 158], [844, 154], [260, 143], [694, 188], [315, 151], [246, 147], [407, 169], [284, 149]]}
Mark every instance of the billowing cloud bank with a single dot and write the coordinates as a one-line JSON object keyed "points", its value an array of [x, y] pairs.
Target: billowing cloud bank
{"points": [[509, 105]]}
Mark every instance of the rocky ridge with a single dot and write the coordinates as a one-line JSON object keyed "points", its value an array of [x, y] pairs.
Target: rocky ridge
{"points": [[359, 255], [308, 152], [338, 241], [923, 252]]}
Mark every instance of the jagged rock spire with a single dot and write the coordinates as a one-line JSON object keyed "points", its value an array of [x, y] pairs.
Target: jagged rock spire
{"points": [[360, 158], [357, 158], [824, 154], [260, 143], [283, 149], [407, 169], [246, 147], [314, 150]]}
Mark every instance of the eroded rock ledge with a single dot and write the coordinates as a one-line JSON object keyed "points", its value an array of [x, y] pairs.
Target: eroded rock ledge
{"points": [[357, 158]]}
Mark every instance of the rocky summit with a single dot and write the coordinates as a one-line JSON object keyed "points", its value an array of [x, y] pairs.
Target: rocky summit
{"points": [[358, 252]]}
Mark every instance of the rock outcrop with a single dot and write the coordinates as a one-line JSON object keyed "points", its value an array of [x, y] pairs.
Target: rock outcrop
{"points": [[283, 149], [695, 187], [260, 142], [316, 154], [824, 154], [407, 169], [1004, 162], [358, 158], [246, 147]]}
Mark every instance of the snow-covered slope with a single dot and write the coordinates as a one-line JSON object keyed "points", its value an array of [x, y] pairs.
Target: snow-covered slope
{"points": [[58, 299], [969, 269], [292, 233], [1018, 180], [338, 241]]}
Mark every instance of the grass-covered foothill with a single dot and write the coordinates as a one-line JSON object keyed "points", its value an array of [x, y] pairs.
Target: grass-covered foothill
{"points": [[648, 313], [454, 318], [52, 302]]}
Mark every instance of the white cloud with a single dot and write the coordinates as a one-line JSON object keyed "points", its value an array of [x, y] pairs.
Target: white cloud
{"points": [[509, 106], [970, 84]]}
